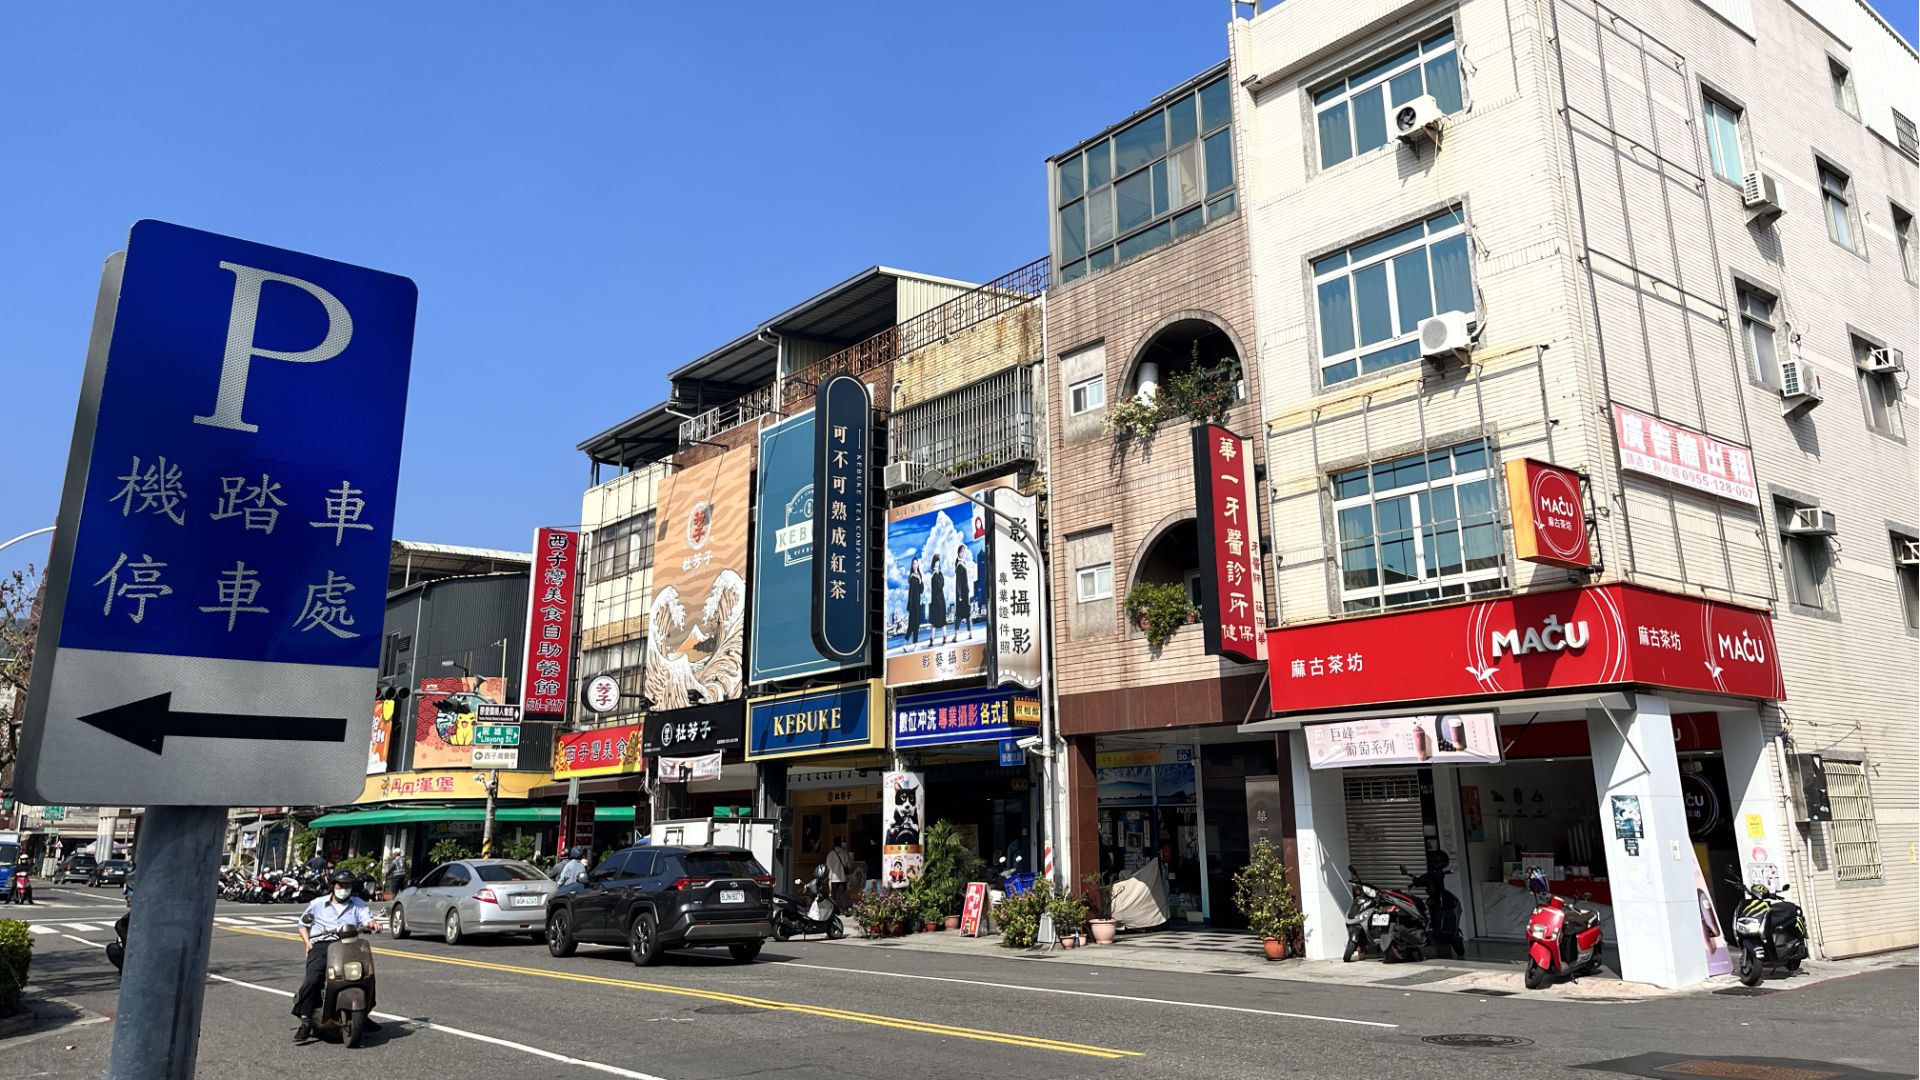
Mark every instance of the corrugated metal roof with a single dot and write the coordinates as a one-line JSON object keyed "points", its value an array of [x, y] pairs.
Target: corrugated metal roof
{"points": [[417, 547]]}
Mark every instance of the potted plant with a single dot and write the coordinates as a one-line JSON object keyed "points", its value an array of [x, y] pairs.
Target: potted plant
{"points": [[1069, 915], [1019, 916], [1261, 893], [1099, 893], [949, 865], [1160, 608], [881, 914]]}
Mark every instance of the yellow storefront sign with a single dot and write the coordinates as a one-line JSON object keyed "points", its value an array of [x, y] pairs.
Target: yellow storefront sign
{"points": [[452, 784]]}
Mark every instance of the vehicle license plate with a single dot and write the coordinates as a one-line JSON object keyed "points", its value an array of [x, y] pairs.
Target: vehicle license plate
{"points": [[733, 896], [526, 900], [1381, 918]]}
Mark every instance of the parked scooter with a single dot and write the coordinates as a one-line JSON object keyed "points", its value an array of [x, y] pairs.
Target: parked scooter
{"points": [[1385, 921], [1769, 932], [1563, 941], [821, 915], [347, 994], [1443, 908]]}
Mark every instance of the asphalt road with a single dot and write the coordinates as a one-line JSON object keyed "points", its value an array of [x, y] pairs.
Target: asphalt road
{"points": [[812, 1009]]}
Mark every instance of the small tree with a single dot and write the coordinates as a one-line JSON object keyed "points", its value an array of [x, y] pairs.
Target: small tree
{"points": [[1160, 608], [21, 592], [1261, 893]]}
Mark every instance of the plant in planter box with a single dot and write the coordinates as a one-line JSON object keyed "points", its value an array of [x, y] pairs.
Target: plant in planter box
{"points": [[1160, 608], [1261, 893], [883, 913], [1136, 419], [1019, 916], [1201, 395]]}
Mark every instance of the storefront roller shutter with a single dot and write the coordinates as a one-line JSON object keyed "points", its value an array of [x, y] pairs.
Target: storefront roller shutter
{"points": [[1384, 825]]}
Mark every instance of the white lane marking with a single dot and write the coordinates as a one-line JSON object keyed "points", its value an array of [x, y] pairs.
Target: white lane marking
{"points": [[597, 1066], [1096, 994], [228, 919], [84, 941], [82, 927], [36, 928]]}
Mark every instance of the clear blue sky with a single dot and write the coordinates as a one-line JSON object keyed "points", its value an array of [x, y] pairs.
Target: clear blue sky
{"points": [[590, 193]]}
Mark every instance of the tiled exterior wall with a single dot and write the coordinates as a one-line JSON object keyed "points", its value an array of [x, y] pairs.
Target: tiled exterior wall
{"points": [[615, 610], [971, 355]]}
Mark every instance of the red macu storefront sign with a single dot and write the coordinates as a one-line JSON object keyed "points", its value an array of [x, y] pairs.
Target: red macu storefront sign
{"points": [[1601, 635]]}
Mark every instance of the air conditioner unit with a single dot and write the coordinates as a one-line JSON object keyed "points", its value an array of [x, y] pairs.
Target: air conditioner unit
{"points": [[1811, 521], [1760, 192], [1884, 362], [1799, 386], [901, 475], [1446, 338], [1908, 553], [1418, 119]]}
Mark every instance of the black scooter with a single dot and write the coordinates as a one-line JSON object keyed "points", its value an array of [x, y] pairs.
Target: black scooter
{"points": [[1443, 908], [1769, 933], [820, 916], [1389, 922], [346, 996]]}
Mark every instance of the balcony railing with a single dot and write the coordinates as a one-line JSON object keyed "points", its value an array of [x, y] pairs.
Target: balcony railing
{"points": [[727, 417], [978, 428]]}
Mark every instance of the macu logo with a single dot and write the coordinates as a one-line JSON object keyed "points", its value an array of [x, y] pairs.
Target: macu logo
{"points": [[1557, 505], [1745, 647], [1549, 636]]}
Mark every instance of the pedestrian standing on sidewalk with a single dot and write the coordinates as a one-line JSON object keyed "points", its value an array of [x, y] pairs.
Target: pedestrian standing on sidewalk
{"points": [[839, 865], [396, 873]]}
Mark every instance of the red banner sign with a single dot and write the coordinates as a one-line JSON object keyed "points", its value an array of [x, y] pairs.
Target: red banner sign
{"points": [[550, 601], [1233, 605], [1603, 635], [607, 751], [1684, 456], [1549, 514]]}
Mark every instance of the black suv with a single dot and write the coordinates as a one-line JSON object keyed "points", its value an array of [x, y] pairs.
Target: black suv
{"points": [[651, 899]]}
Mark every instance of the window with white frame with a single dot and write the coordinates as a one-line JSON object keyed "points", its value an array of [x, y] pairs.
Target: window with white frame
{"points": [[1087, 395], [624, 547], [1418, 529], [1879, 391], [1836, 197], [1725, 138], [1841, 82], [1905, 135], [1856, 835], [1760, 335], [1371, 297], [1095, 583], [1903, 235], [1352, 113], [1906, 573], [1808, 559]]}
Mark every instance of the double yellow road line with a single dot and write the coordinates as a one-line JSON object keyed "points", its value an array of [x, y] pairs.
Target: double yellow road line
{"points": [[924, 1027]]}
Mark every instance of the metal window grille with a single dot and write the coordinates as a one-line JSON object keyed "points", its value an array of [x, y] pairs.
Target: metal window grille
{"points": [[980, 427], [1856, 839]]}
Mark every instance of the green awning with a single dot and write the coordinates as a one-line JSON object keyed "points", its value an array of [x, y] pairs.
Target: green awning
{"points": [[396, 815]]}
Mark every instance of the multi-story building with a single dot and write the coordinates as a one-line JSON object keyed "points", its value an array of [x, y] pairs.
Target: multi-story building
{"points": [[1668, 249], [1154, 312]]}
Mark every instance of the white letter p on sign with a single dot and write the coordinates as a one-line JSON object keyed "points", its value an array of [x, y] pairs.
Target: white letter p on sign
{"points": [[241, 350]]}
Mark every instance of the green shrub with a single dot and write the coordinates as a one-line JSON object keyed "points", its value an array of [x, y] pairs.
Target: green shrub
{"points": [[1160, 608], [950, 864], [1261, 893], [883, 913], [304, 843], [451, 849], [1019, 916], [358, 865], [1069, 915], [519, 848], [16, 951]]}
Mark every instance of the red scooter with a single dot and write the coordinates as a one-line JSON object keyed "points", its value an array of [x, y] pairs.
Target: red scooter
{"points": [[1563, 941]]}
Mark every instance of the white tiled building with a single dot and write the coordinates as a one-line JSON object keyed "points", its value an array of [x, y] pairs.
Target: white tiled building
{"points": [[1582, 195]]}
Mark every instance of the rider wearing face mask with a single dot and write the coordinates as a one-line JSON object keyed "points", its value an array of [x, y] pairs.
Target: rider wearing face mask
{"points": [[337, 909]]}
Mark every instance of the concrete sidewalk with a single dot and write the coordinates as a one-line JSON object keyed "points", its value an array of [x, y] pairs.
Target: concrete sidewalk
{"points": [[1239, 954]]}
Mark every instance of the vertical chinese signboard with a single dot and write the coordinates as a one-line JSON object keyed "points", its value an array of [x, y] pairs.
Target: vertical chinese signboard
{"points": [[1019, 590], [696, 626], [1232, 583], [1684, 456], [782, 642], [550, 601], [843, 427], [1549, 514]]}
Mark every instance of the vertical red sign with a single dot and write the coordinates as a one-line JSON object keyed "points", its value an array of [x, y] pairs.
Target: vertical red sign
{"points": [[1233, 602], [550, 602], [1549, 514]]}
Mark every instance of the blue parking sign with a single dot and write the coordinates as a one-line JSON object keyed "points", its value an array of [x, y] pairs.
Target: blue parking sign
{"points": [[220, 562]]}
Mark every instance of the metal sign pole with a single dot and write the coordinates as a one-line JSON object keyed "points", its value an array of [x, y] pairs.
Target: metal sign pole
{"points": [[156, 1029]]}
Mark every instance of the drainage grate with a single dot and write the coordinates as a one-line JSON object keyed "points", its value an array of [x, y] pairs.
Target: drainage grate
{"points": [[1487, 993], [1747, 991], [1477, 1042], [1226, 971], [726, 1010]]}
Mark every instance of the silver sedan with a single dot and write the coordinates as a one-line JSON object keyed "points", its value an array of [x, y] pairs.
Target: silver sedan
{"points": [[474, 896]]}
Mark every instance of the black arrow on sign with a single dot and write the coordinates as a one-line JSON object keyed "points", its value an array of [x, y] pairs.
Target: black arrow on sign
{"points": [[147, 723]]}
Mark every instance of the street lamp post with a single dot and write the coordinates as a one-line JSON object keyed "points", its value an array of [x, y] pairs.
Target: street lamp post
{"points": [[938, 480], [493, 776]]}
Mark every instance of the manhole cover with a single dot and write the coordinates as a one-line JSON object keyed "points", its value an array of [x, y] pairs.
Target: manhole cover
{"points": [[1747, 991], [725, 1010], [1477, 1042]]}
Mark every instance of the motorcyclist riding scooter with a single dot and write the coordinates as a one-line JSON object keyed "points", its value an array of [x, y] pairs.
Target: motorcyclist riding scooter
{"points": [[329, 928]]}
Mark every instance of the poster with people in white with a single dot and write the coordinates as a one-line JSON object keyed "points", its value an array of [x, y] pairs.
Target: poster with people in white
{"points": [[938, 611]]}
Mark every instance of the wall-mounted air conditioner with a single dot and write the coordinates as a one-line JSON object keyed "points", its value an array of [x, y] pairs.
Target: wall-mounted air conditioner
{"points": [[1811, 521], [901, 475], [1447, 338], [1418, 119], [1799, 386], [1884, 362], [1760, 192]]}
